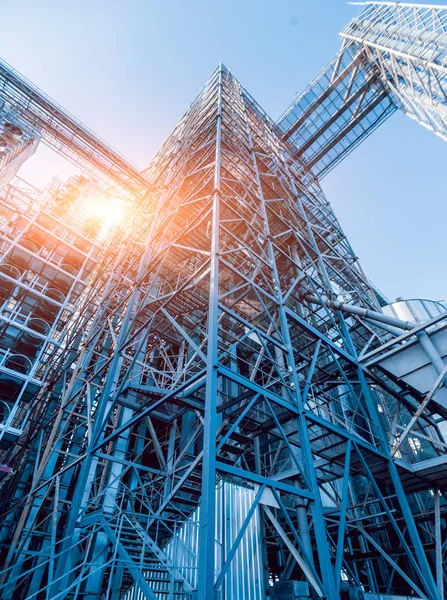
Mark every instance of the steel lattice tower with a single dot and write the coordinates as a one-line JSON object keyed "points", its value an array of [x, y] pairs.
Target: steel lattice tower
{"points": [[225, 411]]}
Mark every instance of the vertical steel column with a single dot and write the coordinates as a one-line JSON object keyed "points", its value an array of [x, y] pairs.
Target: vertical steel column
{"points": [[208, 498]]}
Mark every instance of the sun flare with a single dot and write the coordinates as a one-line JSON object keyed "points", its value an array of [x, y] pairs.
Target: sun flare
{"points": [[108, 212]]}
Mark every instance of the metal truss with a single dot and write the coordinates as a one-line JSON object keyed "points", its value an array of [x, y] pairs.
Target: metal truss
{"points": [[67, 135], [393, 55], [337, 111], [407, 45], [229, 340]]}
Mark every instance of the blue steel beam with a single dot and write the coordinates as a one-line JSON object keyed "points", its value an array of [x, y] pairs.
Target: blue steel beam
{"points": [[208, 498]]}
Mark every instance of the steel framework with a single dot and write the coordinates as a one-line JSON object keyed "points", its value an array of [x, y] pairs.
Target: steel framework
{"points": [[65, 134], [393, 56], [213, 403]]}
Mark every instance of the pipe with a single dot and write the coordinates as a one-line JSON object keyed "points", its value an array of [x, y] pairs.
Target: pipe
{"points": [[393, 330], [361, 312]]}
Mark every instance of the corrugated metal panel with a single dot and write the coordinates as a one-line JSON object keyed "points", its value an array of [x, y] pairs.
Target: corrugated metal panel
{"points": [[244, 580]]}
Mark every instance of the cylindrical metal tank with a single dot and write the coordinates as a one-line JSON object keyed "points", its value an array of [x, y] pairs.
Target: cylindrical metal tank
{"points": [[415, 310]]}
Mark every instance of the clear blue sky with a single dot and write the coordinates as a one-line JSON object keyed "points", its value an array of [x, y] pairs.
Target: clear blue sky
{"points": [[129, 69]]}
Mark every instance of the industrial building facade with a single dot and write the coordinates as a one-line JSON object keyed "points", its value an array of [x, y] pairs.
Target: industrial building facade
{"points": [[209, 400]]}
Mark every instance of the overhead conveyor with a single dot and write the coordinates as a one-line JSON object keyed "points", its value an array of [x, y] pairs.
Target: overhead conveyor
{"points": [[393, 56]]}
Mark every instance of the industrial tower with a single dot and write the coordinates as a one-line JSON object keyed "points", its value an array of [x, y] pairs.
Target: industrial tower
{"points": [[211, 401]]}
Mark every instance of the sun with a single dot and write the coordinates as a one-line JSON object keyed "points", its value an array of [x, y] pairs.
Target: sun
{"points": [[108, 212]]}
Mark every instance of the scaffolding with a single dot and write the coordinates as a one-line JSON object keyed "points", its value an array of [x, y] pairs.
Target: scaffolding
{"points": [[207, 401]]}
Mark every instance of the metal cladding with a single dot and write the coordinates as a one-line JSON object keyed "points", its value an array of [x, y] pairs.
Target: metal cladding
{"points": [[216, 407], [245, 576]]}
